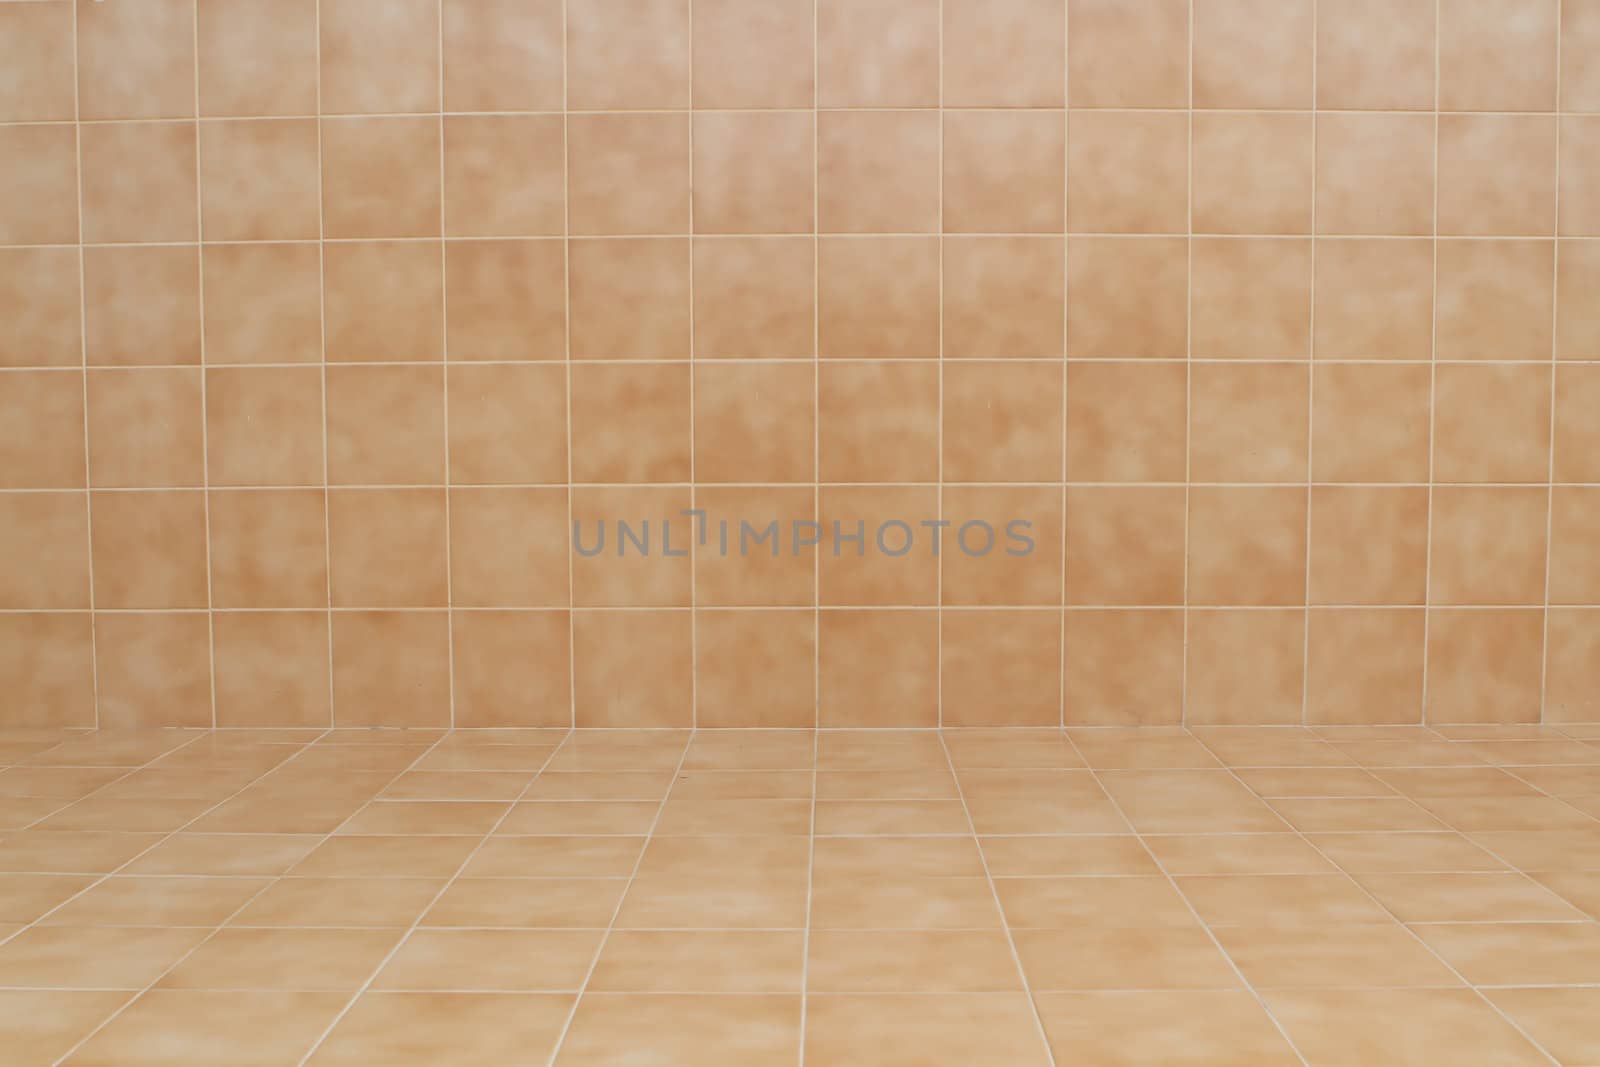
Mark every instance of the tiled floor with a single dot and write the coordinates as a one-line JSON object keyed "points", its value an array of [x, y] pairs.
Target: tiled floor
{"points": [[1099, 897]]}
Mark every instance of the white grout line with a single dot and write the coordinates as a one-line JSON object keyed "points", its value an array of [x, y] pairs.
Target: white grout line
{"points": [[416, 923], [1433, 381], [649, 837], [204, 371], [694, 434], [566, 331], [1188, 372], [1578, 239], [219, 927], [83, 345], [1555, 367], [1094, 774], [772, 360], [524, 112], [811, 884], [444, 375], [1311, 385], [322, 348], [994, 894], [97, 879], [1066, 367], [1386, 909]]}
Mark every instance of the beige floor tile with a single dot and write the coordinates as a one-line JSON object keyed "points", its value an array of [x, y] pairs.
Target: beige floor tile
{"points": [[916, 784], [1184, 854], [887, 902], [923, 1031], [93, 957], [446, 1030], [67, 783], [225, 854], [898, 856], [1562, 781], [1508, 953], [1455, 782], [1564, 1021], [700, 961], [599, 752], [152, 815], [893, 914], [503, 961], [549, 902], [179, 782], [580, 818], [459, 785], [41, 1025], [736, 785], [173, 1028], [1355, 815], [1399, 1028], [751, 750], [1491, 897], [1292, 899], [19, 812], [1045, 814], [1192, 1029], [1544, 850], [1144, 957], [504, 737], [1244, 746], [66, 852], [123, 901], [1589, 806], [1484, 814], [1175, 802], [607, 785], [890, 817], [1547, 750], [708, 901], [555, 857], [911, 961], [1370, 955], [879, 750], [1061, 857], [350, 902], [1405, 853], [1498, 731], [254, 813], [25, 897], [1148, 748], [733, 856], [345, 758], [1047, 748], [697, 816], [1581, 889], [288, 959], [386, 857], [683, 1031], [1420, 753], [1055, 903], [1342, 782], [463, 817], [469, 757]]}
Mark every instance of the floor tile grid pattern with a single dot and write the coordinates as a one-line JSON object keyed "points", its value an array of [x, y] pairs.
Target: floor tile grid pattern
{"points": [[1460, 862]]}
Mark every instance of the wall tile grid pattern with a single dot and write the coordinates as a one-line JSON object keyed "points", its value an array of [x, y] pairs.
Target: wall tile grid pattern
{"points": [[1279, 319]]}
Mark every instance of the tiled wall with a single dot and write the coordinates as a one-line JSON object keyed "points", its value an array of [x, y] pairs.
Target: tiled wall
{"points": [[1278, 319]]}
